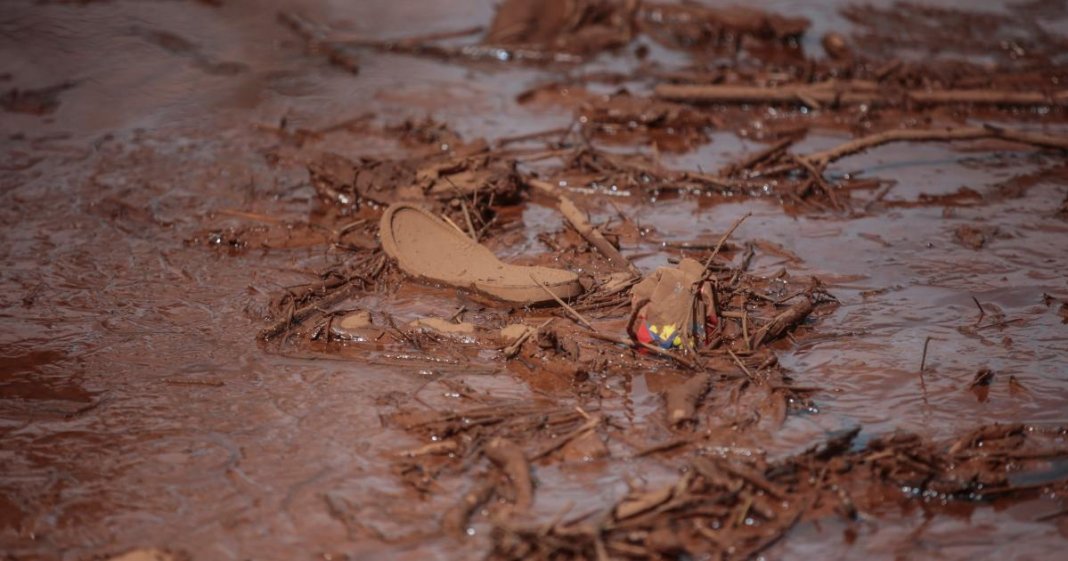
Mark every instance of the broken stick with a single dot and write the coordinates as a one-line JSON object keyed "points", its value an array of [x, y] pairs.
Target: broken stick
{"points": [[582, 225], [788, 318], [821, 159], [849, 93]]}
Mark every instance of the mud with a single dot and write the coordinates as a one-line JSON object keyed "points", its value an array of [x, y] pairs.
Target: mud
{"points": [[208, 354]]}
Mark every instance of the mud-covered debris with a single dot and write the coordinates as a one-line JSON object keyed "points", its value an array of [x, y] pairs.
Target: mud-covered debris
{"points": [[836, 46], [512, 461], [514, 336], [40, 101], [518, 421], [788, 319], [509, 334], [980, 385], [339, 55], [558, 341], [974, 237], [581, 223], [615, 283], [421, 179], [681, 400], [672, 308], [695, 26], [355, 325], [586, 447], [577, 26], [456, 519], [641, 502], [355, 320], [624, 118], [445, 327], [735, 507], [1016, 388], [1010, 37], [149, 554]]}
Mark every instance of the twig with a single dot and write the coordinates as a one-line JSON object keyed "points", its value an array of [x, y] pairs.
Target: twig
{"points": [[1001, 323], [790, 317], [987, 97], [741, 365], [493, 53], [982, 312], [821, 159], [337, 54], [825, 93], [531, 136], [769, 153], [590, 424], [923, 365], [677, 357], [467, 218], [297, 316], [887, 69], [454, 225], [849, 93], [817, 175], [719, 245], [1052, 515], [511, 350], [463, 205], [250, 216], [664, 446], [578, 220], [578, 317]]}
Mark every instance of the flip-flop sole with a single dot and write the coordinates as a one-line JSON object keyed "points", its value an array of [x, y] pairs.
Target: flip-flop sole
{"points": [[428, 248]]}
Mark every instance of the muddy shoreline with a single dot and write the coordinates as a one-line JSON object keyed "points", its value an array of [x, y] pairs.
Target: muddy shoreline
{"points": [[207, 354]]}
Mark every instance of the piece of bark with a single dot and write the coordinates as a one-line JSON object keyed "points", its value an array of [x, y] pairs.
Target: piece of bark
{"points": [[511, 460], [792, 316], [681, 401]]}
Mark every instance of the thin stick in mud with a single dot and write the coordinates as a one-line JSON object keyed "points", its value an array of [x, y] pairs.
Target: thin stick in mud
{"points": [[821, 159], [320, 306], [982, 313], [723, 239], [838, 94], [574, 313], [578, 220]]}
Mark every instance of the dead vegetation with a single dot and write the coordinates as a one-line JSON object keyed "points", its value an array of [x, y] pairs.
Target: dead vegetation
{"points": [[736, 507]]}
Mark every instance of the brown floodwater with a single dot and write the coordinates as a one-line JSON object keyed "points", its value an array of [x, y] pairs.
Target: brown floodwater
{"points": [[138, 409]]}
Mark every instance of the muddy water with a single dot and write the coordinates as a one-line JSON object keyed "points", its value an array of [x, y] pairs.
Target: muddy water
{"points": [[136, 408]]}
